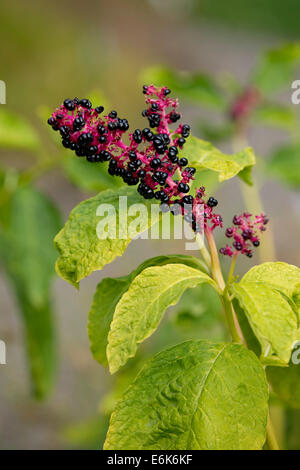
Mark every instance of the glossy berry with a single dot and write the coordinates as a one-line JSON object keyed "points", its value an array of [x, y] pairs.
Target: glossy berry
{"points": [[155, 163], [85, 103], [182, 162], [212, 202], [99, 109], [183, 188]]}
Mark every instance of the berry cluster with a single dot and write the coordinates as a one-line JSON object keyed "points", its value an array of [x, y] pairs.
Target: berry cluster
{"points": [[84, 131], [151, 159], [244, 232]]}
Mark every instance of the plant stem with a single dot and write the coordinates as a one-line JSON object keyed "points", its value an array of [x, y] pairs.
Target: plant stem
{"points": [[203, 250], [232, 322], [232, 266], [216, 271], [215, 262], [271, 440]]}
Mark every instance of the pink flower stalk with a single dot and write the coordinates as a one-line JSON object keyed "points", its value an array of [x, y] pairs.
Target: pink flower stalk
{"points": [[244, 232], [244, 104], [150, 159]]}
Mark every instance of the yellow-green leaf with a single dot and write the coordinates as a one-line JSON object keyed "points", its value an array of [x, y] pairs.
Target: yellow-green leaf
{"points": [[141, 308], [270, 297], [81, 251], [108, 293], [194, 396], [203, 155]]}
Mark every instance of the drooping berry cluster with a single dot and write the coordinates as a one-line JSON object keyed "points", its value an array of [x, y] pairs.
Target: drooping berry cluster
{"points": [[244, 232], [151, 159]]}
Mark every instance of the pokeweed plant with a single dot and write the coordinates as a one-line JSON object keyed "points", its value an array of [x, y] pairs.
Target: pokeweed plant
{"points": [[198, 394]]}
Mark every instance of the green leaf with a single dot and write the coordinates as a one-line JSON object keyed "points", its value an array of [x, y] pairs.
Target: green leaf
{"points": [[108, 293], [277, 68], [89, 177], [203, 155], [270, 297], [276, 115], [285, 382], [284, 164], [81, 251], [194, 87], [28, 255], [16, 132], [141, 308], [196, 395]]}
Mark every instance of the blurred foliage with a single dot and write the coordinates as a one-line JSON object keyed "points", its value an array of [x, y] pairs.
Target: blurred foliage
{"points": [[16, 132], [28, 254], [276, 68], [88, 434], [285, 382], [284, 164], [255, 15], [196, 88], [89, 177]]}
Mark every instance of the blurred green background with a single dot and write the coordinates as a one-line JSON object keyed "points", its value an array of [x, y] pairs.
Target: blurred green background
{"points": [[53, 50]]}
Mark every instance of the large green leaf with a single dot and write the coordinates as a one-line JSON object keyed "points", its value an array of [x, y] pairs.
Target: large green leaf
{"points": [[270, 297], [203, 155], [141, 308], [285, 382], [277, 68], [284, 164], [195, 87], [81, 251], [196, 395], [28, 255], [108, 293], [16, 132]]}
